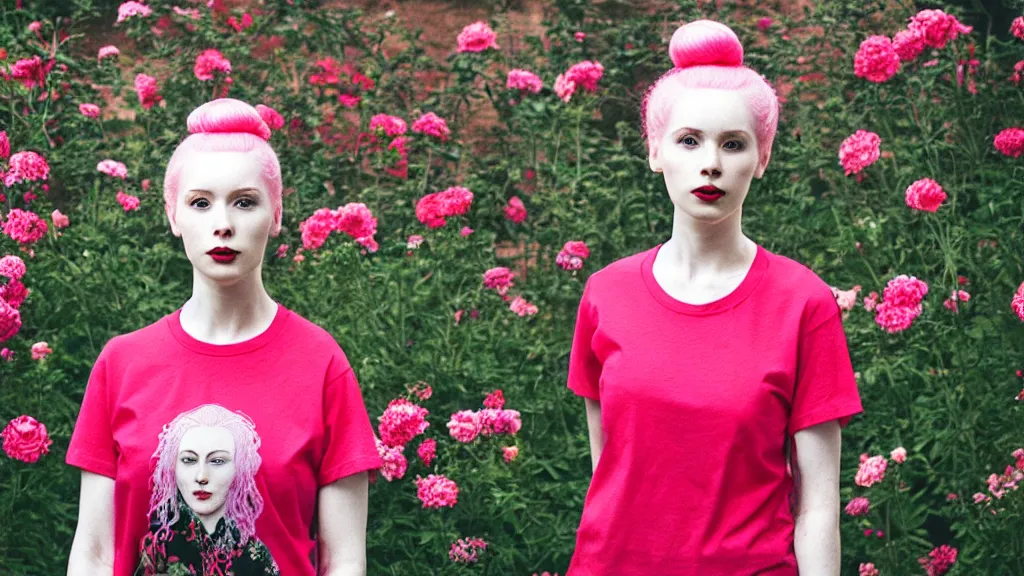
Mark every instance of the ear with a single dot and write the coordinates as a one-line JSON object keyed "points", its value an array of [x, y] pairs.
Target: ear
{"points": [[654, 160], [761, 167], [174, 225]]}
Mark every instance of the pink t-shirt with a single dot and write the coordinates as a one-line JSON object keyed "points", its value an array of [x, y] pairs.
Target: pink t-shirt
{"points": [[289, 395], [698, 403]]}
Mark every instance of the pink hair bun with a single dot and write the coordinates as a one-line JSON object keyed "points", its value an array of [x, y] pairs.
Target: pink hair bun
{"points": [[705, 43], [227, 116]]}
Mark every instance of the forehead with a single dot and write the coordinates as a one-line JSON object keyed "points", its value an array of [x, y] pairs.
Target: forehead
{"points": [[204, 439], [221, 172], [711, 112]]}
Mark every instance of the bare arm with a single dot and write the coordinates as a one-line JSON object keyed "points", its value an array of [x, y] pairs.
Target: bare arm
{"points": [[343, 507], [595, 430], [92, 550], [816, 536]]}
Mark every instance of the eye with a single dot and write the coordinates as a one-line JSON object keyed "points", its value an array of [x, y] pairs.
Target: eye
{"points": [[688, 141], [188, 460], [219, 461], [245, 203], [738, 145], [199, 203]]}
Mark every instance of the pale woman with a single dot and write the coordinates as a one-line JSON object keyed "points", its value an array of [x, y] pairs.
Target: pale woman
{"points": [[715, 373], [230, 345]]}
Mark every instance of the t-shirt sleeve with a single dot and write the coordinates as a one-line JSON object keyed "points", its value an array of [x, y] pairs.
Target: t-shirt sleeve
{"points": [[584, 366], [92, 446], [825, 386], [349, 440]]}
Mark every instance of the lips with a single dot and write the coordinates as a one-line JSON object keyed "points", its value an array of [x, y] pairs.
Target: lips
{"points": [[708, 193], [223, 255], [202, 495]]}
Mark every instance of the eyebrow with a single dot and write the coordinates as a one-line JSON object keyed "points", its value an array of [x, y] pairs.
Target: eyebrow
{"points": [[233, 192], [727, 132]]}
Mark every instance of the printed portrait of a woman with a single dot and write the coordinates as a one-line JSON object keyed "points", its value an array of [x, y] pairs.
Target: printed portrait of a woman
{"points": [[205, 502]]}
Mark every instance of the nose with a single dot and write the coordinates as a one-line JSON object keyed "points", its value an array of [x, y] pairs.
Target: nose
{"points": [[712, 164], [202, 477], [222, 225]]}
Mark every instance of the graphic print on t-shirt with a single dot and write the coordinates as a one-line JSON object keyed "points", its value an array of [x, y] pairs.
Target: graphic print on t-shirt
{"points": [[204, 501]]}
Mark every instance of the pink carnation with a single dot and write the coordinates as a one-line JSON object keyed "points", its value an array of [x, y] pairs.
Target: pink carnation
{"points": [[26, 439], [895, 319], [572, 255], [466, 550], [432, 125], [936, 27], [89, 110], [317, 228], [211, 61], [860, 150], [510, 453], [5, 145], [129, 9], [871, 471], [908, 44], [520, 306], [427, 451], [524, 81], [925, 194], [107, 51], [349, 100], [356, 220], [147, 90], [495, 400], [495, 422], [876, 59], [564, 87], [14, 293], [465, 231], [1010, 142], [899, 455], [414, 242], [192, 13], [26, 166], [871, 301], [401, 422], [10, 320], [764, 23], [24, 227], [436, 491], [515, 210], [858, 507], [867, 569], [31, 72], [1017, 304], [499, 278], [395, 464], [113, 168], [904, 290], [846, 299], [433, 209], [939, 560], [391, 125], [464, 426], [41, 350], [1017, 27], [12, 267], [955, 297], [477, 37], [585, 74], [128, 202], [270, 116]]}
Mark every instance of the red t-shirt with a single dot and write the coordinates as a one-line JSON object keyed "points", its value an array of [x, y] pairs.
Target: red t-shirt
{"points": [[697, 405], [300, 410]]}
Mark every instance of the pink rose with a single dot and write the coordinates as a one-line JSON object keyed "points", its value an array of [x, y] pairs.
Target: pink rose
{"points": [[25, 439]]}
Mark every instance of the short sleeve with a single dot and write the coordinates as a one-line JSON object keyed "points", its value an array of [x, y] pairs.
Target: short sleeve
{"points": [[825, 387], [584, 366], [92, 446], [349, 441]]}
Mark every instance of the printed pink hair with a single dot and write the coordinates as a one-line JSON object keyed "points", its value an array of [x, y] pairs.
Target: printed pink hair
{"points": [[709, 55], [244, 503], [225, 125]]}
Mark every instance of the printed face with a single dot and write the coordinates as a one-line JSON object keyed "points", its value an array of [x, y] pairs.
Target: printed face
{"points": [[204, 471], [708, 154], [223, 215]]}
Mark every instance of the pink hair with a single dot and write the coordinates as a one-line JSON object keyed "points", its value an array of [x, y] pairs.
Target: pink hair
{"points": [[225, 125], [709, 55], [244, 503]]}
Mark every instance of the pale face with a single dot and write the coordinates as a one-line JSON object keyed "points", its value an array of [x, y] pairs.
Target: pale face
{"points": [[204, 470], [224, 215], [708, 141]]}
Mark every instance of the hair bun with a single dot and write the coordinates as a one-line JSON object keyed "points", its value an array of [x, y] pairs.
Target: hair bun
{"points": [[227, 116], [705, 43]]}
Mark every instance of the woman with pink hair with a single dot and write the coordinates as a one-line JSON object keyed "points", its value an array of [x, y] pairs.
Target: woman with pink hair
{"points": [[223, 500], [714, 423]]}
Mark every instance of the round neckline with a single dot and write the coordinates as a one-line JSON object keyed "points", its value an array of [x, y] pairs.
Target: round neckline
{"points": [[744, 289], [254, 343]]}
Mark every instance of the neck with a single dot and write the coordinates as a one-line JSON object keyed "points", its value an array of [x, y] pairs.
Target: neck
{"points": [[702, 249], [210, 521], [225, 314]]}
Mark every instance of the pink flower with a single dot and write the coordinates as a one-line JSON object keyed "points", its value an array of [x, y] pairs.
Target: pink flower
{"points": [[41, 350], [401, 422], [871, 471], [572, 255], [395, 464], [128, 202], [414, 242], [466, 550], [282, 251], [939, 560], [129, 9], [515, 210], [520, 306], [979, 498], [955, 297], [35, 26], [147, 90], [26, 166], [356, 220], [348, 100], [925, 195], [524, 81], [31, 72], [390, 125], [270, 116], [495, 400], [858, 507], [25, 439], [764, 23], [89, 110], [1010, 142], [432, 125], [867, 569], [895, 319], [510, 453], [936, 27], [12, 267], [464, 426], [1017, 304], [579, 36], [14, 293], [564, 87], [427, 451], [494, 422], [585, 74], [846, 299], [400, 169], [860, 150], [10, 320], [908, 44], [1017, 27], [317, 228], [899, 455], [876, 59], [466, 231], [192, 13], [499, 278], [477, 37], [904, 290], [113, 168], [211, 61], [433, 209], [107, 51], [7, 355], [436, 491], [145, 184], [5, 145], [240, 25], [24, 227]]}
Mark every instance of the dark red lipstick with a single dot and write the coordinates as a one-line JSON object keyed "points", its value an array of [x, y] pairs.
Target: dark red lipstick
{"points": [[202, 495], [708, 193], [223, 255]]}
